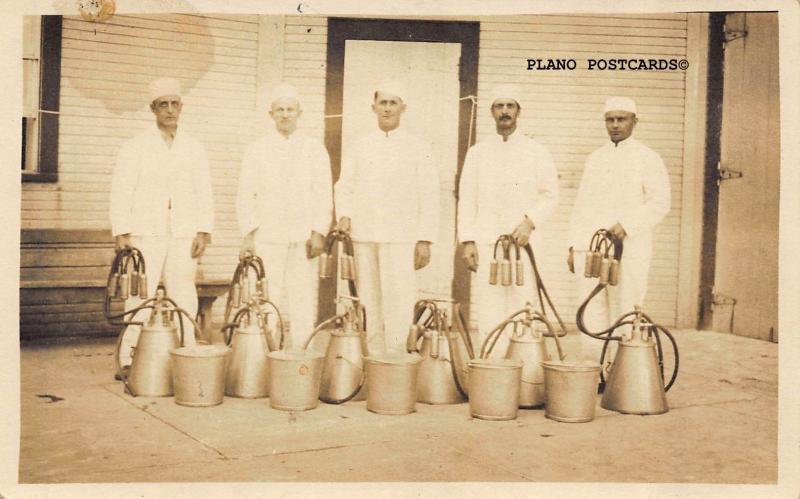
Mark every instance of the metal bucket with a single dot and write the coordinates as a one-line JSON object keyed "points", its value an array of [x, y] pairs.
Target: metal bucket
{"points": [[294, 379], [392, 383], [198, 374], [494, 388], [571, 390]]}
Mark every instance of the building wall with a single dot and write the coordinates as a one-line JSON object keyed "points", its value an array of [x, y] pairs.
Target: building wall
{"points": [[564, 112], [226, 62]]}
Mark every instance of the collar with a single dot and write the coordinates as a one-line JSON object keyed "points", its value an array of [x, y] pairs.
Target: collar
{"points": [[514, 137], [391, 134], [622, 144], [155, 132], [274, 134]]}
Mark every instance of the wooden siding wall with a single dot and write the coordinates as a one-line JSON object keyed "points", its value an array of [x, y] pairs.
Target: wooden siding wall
{"points": [[106, 68], [563, 110]]}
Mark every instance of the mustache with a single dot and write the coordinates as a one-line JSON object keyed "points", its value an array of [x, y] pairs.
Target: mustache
{"points": [[505, 117]]}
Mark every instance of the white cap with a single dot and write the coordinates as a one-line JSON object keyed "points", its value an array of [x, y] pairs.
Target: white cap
{"points": [[283, 90], [164, 86], [504, 92], [392, 87], [620, 104]]}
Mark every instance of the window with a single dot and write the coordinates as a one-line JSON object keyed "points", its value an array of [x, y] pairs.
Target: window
{"points": [[41, 65]]}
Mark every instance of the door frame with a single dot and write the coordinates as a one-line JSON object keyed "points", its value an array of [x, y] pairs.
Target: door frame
{"points": [[399, 30]]}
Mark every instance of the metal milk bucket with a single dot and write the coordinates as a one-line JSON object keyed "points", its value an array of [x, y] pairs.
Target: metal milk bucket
{"points": [[494, 388], [436, 384], [343, 367], [392, 383], [532, 352], [198, 374], [150, 374], [571, 390], [294, 380], [248, 370]]}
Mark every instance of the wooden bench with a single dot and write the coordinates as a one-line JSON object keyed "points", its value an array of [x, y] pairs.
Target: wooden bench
{"points": [[62, 284]]}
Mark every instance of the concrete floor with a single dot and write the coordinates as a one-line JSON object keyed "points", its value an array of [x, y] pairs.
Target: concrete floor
{"points": [[721, 428]]}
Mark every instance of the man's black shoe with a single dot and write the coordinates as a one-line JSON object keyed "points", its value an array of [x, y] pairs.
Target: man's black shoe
{"points": [[124, 370]]}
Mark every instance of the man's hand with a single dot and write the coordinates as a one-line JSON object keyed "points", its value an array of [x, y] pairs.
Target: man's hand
{"points": [[571, 260], [522, 233], [344, 225], [199, 244], [122, 241], [422, 254], [471, 256], [315, 245], [248, 245], [618, 231]]}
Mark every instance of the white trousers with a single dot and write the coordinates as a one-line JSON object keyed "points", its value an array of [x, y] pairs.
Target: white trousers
{"points": [[387, 287], [496, 302], [613, 301], [292, 285], [168, 259]]}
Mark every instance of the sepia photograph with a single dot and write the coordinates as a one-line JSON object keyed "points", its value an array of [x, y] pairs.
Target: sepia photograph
{"points": [[395, 250]]}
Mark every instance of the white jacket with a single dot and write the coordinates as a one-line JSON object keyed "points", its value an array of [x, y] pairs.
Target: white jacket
{"points": [[153, 185], [502, 183], [285, 189], [389, 187], [626, 184]]}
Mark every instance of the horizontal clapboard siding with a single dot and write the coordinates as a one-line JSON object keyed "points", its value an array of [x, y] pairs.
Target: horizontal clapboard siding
{"points": [[106, 68], [563, 110], [62, 278]]}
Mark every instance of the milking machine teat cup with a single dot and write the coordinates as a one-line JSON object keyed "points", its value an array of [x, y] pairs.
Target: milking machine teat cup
{"points": [[635, 383], [503, 273], [127, 278], [438, 334]]}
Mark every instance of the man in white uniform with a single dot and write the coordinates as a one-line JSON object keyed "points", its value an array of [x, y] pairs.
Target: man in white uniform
{"points": [[161, 203], [388, 193], [625, 189], [284, 207], [508, 186]]}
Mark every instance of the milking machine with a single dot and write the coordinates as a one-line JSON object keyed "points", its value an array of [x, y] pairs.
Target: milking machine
{"points": [[635, 383], [343, 372], [445, 349], [127, 277], [260, 366], [248, 333], [526, 344], [150, 373]]}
